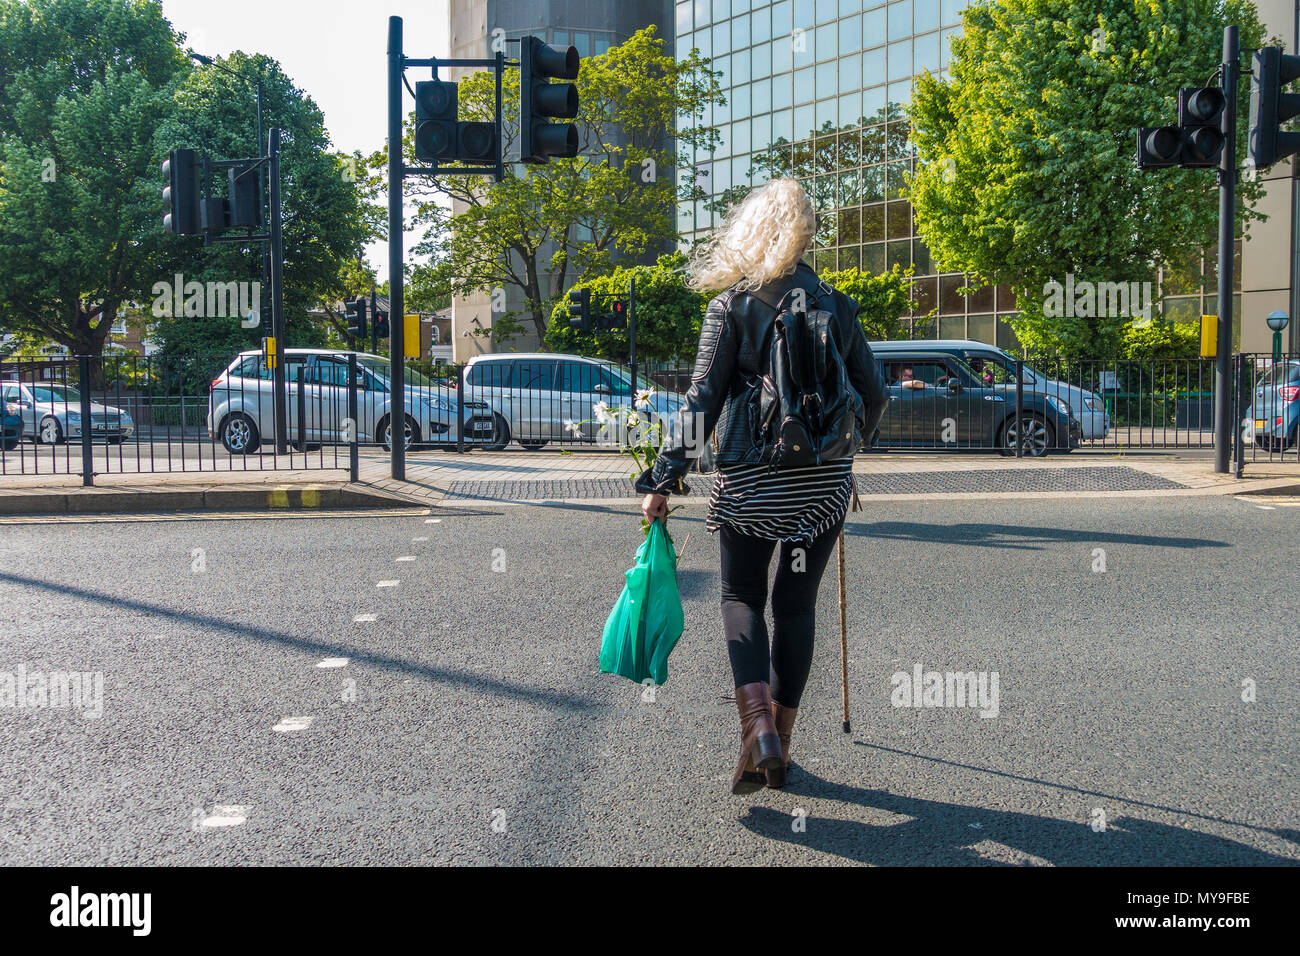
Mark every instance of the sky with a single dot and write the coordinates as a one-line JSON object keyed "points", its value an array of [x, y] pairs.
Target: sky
{"points": [[334, 50]]}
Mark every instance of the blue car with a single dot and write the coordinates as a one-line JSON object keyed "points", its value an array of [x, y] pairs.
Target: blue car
{"points": [[1275, 408], [11, 426]]}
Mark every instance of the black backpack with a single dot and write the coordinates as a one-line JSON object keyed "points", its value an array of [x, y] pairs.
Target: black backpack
{"points": [[807, 412]]}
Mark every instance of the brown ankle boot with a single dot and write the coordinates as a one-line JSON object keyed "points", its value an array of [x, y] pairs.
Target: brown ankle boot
{"points": [[783, 717], [760, 747]]}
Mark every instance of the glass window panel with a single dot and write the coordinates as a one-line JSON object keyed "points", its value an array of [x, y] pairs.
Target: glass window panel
{"points": [[722, 111], [826, 42], [900, 19], [722, 64], [804, 15], [850, 70], [850, 189], [761, 95], [952, 327], [951, 11], [740, 68], [925, 53], [900, 60], [850, 258], [740, 101], [945, 45], [583, 42], [685, 18], [826, 79], [925, 292], [850, 227], [824, 261], [900, 93], [873, 28], [804, 87], [1007, 336], [740, 137], [850, 35], [783, 125], [873, 144], [981, 300], [873, 222], [782, 23], [921, 258], [981, 328], [704, 42], [803, 120], [761, 60], [721, 177], [951, 302], [826, 10], [703, 14], [761, 131], [724, 140], [873, 67], [740, 171], [721, 9], [900, 220], [782, 92], [783, 53], [925, 15], [873, 258], [827, 114], [894, 179], [873, 183], [685, 42], [850, 6], [1006, 298], [760, 24], [721, 37], [850, 109], [740, 32], [873, 104]]}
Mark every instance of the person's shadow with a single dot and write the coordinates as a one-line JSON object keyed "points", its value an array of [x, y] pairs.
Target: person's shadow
{"points": [[941, 834]]}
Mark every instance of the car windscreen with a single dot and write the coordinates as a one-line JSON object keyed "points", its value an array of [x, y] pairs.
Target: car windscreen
{"points": [[1288, 374]]}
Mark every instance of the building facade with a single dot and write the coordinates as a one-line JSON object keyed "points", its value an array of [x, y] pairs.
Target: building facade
{"points": [[818, 89]]}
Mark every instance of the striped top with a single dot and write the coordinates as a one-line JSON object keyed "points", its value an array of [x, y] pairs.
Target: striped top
{"points": [[794, 504]]}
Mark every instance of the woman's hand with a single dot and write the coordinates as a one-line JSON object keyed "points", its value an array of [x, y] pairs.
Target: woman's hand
{"points": [[654, 507]]}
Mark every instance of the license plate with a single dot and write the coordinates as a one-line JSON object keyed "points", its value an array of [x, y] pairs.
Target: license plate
{"points": [[482, 426], [1259, 424], [100, 428]]}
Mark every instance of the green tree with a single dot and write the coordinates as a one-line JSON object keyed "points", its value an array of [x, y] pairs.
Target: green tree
{"points": [[543, 225], [883, 298], [668, 315], [84, 84], [1025, 154]]}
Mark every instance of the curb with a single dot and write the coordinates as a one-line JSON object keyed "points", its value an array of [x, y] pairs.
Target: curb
{"points": [[283, 498]]}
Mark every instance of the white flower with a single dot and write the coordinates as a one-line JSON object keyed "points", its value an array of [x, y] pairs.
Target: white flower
{"points": [[602, 412], [633, 420], [573, 428], [644, 396]]}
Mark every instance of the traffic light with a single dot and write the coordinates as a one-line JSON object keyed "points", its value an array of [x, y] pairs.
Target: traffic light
{"points": [[1200, 117], [1158, 146], [477, 143], [381, 325], [245, 198], [435, 120], [580, 310], [181, 194], [1270, 107], [618, 314], [541, 100], [356, 310]]}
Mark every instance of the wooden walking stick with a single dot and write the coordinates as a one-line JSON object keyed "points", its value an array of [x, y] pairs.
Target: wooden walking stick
{"points": [[844, 628]]}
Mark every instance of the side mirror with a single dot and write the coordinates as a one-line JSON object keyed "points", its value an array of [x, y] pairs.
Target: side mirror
{"points": [[954, 385], [602, 389]]}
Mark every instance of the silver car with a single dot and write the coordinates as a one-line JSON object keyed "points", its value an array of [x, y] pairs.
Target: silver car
{"points": [[241, 404], [52, 413], [543, 396]]}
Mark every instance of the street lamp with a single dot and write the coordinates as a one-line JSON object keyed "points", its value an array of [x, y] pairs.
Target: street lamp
{"points": [[1277, 321]]}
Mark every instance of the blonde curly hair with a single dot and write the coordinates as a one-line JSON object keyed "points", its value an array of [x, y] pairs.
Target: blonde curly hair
{"points": [[762, 238]]}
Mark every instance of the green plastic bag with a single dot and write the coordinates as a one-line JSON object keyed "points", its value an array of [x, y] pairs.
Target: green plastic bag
{"points": [[647, 619]]}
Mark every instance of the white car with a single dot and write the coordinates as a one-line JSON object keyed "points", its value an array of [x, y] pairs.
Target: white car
{"points": [[52, 413], [241, 403], [544, 396]]}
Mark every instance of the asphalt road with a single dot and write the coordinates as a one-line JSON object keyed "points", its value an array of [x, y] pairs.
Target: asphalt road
{"points": [[468, 723]]}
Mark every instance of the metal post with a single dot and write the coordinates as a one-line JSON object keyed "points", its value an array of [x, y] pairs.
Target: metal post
{"points": [[279, 378], [460, 409], [1227, 221], [87, 457], [631, 331], [1020, 408], [1241, 391], [261, 210], [374, 326], [302, 408], [354, 464], [396, 176]]}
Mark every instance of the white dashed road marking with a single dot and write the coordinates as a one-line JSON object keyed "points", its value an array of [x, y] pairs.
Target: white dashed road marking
{"points": [[432, 520], [408, 557], [363, 618], [290, 724], [334, 662], [386, 584], [227, 816]]}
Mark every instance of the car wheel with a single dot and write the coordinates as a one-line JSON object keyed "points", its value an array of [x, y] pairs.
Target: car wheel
{"points": [[531, 444], [1039, 437], [500, 433], [50, 432], [239, 434], [411, 433]]}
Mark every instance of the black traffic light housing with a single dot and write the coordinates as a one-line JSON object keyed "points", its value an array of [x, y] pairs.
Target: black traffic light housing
{"points": [[1200, 117], [381, 325], [618, 314], [580, 310], [1270, 107], [182, 193], [540, 100], [245, 198], [356, 310], [435, 120]]}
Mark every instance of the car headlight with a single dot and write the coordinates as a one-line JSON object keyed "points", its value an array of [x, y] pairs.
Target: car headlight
{"points": [[1061, 405], [1090, 402], [74, 416]]}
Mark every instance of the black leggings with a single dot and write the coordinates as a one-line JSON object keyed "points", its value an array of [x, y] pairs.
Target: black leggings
{"points": [[745, 563]]}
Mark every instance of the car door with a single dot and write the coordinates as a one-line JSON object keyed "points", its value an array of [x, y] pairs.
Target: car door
{"points": [[540, 403], [577, 384], [327, 398], [23, 399]]}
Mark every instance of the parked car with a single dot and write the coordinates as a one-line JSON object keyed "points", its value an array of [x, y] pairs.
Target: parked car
{"points": [[11, 425], [52, 413], [1274, 411], [534, 395], [938, 401], [241, 403], [996, 367]]}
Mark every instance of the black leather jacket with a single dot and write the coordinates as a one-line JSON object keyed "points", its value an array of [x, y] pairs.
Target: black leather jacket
{"points": [[734, 345]]}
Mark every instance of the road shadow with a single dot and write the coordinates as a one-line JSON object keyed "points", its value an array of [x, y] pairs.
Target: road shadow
{"points": [[937, 833], [1021, 537]]}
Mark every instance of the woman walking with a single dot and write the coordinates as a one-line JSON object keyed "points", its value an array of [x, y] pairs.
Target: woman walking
{"points": [[754, 257]]}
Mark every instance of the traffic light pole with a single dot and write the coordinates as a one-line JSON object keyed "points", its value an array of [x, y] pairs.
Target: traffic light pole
{"points": [[631, 331], [396, 303], [279, 377], [1223, 410]]}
